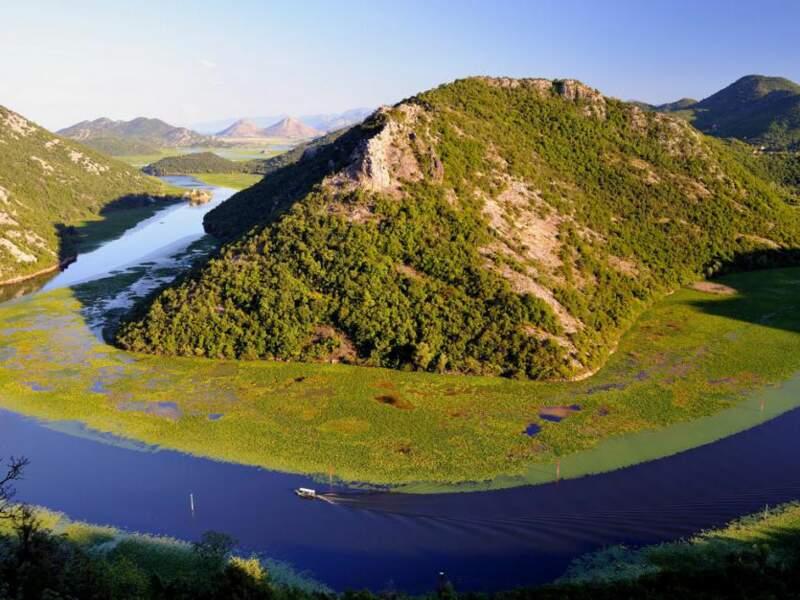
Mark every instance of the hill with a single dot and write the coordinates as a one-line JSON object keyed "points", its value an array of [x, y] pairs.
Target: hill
{"points": [[493, 226], [242, 129], [290, 128], [129, 137], [757, 109], [48, 183], [202, 162]]}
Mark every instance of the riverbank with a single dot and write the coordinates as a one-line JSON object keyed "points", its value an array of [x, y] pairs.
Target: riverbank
{"points": [[687, 359], [138, 558]]}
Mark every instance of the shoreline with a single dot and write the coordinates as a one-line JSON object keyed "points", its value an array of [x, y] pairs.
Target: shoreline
{"points": [[57, 267]]}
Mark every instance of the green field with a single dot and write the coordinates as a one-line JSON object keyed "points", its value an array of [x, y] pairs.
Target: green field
{"points": [[238, 152], [693, 355], [236, 181]]}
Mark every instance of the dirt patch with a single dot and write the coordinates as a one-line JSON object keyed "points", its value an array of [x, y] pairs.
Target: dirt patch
{"points": [[557, 413], [385, 385], [711, 287], [606, 387], [395, 401]]}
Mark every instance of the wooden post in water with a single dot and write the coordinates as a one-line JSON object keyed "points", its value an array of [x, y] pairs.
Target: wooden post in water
{"points": [[763, 403], [191, 502], [330, 477], [558, 470]]}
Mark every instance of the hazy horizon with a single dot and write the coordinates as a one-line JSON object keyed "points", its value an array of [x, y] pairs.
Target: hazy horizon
{"points": [[192, 63]]}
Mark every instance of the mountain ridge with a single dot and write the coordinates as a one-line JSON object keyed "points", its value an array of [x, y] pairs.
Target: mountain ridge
{"points": [[105, 133]]}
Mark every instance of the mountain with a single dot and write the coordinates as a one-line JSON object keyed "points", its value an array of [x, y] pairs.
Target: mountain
{"points": [[323, 122], [243, 128], [123, 136], [48, 183], [678, 105], [757, 109], [491, 226], [290, 128]]}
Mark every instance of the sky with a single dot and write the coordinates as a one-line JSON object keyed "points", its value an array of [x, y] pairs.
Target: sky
{"points": [[193, 61]]}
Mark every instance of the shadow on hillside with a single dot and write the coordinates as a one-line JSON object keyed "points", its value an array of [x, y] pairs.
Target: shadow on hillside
{"points": [[768, 290], [115, 218]]}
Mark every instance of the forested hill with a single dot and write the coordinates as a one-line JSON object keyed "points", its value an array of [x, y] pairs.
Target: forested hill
{"points": [[494, 226], [47, 183]]}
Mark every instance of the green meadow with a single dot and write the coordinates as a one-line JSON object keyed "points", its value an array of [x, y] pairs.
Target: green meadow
{"points": [[235, 181], [695, 367]]}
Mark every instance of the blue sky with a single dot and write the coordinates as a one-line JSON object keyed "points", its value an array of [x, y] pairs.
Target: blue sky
{"points": [[191, 61]]}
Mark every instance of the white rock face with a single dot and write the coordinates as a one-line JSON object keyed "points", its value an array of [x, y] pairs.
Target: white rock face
{"points": [[46, 166], [16, 252], [17, 125]]}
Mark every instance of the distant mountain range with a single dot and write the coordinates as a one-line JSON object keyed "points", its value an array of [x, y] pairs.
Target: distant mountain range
{"points": [[322, 122], [757, 109], [287, 127], [139, 136]]}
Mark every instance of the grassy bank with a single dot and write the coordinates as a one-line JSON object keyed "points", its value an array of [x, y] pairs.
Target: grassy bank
{"points": [[771, 537], [694, 368], [132, 561]]}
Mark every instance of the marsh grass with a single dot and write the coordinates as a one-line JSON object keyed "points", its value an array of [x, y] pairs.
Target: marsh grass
{"points": [[694, 368], [770, 535]]}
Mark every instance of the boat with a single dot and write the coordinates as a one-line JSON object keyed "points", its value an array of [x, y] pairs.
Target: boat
{"points": [[306, 493]]}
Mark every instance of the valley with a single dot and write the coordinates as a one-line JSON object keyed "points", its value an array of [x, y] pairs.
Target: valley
{"points": [[502, 336]]}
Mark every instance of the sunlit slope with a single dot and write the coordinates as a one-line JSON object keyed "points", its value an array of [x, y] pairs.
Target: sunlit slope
{"points": [[488, 226], [47, 184]]}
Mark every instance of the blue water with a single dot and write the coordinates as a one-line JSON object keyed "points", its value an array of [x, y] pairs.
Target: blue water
{"points": [[483, 540], [166, 233]]}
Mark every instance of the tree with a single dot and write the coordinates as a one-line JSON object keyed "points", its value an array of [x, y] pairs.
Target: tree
{"points": [[14, 471]]}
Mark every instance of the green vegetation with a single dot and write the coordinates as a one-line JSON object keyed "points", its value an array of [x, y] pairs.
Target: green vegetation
{"points": [[491, 227], [685, 374], [236, 181], [757, 109], [769, 540], [46, 555], [49, 185], [202, 162], [119, 146]]}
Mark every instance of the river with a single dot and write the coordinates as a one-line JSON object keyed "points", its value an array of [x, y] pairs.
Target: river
{"points": [[355, 539]]}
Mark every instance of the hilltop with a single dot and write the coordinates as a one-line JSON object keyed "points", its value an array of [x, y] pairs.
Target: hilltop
{"points": [[47, 184], [242, 128], [491, 225], [290, 128], [135, 136], [756, 109]]}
